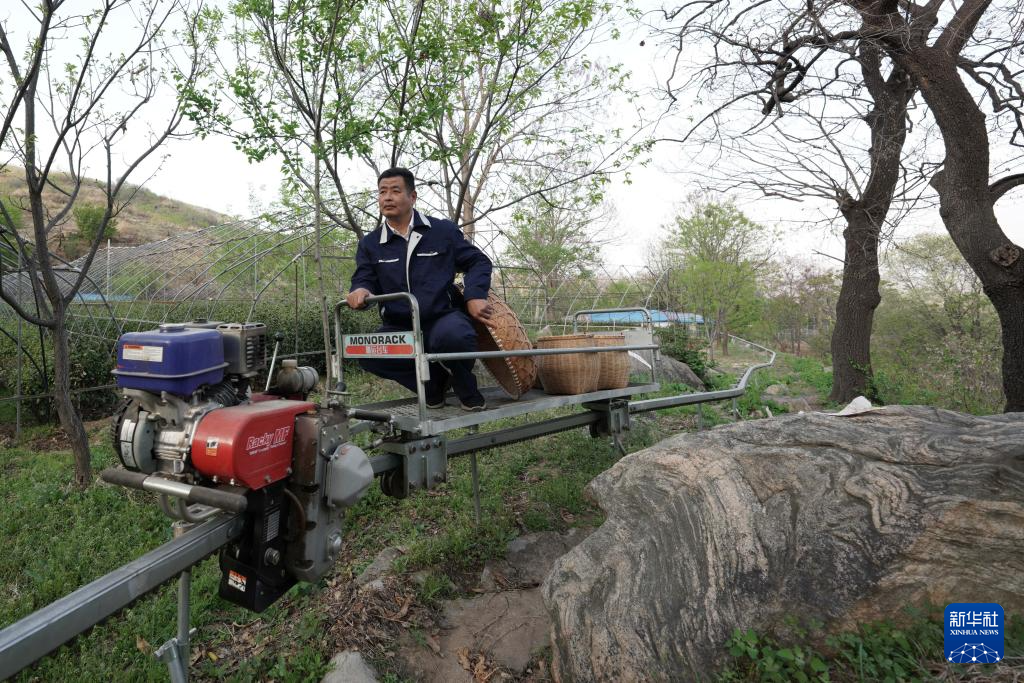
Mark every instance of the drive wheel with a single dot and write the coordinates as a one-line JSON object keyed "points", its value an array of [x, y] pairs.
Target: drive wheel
{"points": [[392, 483]]}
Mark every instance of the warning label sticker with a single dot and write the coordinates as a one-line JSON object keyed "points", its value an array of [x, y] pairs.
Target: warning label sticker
{"points": [[151, 354], [394, 344], [236, 580]]}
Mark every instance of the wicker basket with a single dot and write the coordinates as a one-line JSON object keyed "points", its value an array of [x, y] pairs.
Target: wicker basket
{"points": [[570, 373], [614, 366], [515, 375]]}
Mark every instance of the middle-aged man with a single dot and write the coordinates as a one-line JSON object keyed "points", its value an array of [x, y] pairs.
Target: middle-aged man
{"points": [[421, 254]]}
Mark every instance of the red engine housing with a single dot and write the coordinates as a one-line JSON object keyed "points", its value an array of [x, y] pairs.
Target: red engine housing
{"points": [[250, 444]]}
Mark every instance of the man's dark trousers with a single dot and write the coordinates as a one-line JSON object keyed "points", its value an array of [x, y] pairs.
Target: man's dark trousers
{"points": [[451, 333]]}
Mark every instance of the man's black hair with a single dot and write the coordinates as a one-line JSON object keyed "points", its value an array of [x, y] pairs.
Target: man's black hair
{"points": [[399, 172]]}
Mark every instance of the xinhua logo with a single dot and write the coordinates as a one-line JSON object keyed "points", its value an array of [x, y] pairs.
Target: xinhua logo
{"points": [[974, 633]]}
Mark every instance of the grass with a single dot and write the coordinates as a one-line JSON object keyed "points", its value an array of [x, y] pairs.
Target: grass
{"points": [[59, 538]]}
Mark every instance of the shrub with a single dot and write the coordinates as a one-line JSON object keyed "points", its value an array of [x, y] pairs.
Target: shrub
{"points": [[89, 219], [677, 343]]}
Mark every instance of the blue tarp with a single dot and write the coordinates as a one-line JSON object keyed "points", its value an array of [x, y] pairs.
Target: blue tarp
{"points": [[93, 296], [637, 318]]}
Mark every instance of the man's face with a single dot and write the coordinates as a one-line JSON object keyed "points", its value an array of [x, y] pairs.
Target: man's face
{"points": [[394, 200]]}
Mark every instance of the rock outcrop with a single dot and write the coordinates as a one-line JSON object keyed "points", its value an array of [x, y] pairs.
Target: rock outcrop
{"points": [[842, 519]]}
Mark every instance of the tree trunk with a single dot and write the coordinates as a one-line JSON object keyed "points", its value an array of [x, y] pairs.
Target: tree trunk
{"points": [[69, 418], [855, 311], [468, 218], [858, 295], [966, 205], [325, 321]]}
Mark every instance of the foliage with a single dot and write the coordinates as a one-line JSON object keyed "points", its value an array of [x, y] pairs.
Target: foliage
{"points": [[937, 338], [719, 233], [89, 219], [514, 81], [715, 254], [484, 103], [91, 361], [799, 307], [677, 343], [909, 649], [761, 658], [557, 235], [811, 372]]}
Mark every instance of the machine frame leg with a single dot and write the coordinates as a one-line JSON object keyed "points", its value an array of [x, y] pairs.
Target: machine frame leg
{"points": [[175, 652]]}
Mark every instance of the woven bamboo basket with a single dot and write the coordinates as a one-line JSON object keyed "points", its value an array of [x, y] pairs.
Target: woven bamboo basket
{"points": [[515, 375], [570, 373], [614, 366]]}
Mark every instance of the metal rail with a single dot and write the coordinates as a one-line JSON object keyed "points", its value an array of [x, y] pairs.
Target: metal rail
{"points": [[503, 437], [41, 632], [705, 396]]}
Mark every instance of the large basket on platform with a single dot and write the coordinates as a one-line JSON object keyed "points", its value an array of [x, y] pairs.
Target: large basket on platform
{"points": [[614, 372], [569, 373], [515, 375]]}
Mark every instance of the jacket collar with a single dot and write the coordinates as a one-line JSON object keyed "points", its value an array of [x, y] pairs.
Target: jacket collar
{"points": [[418, 221]]}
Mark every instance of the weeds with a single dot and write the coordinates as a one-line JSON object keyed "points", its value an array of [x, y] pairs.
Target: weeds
{"points": [[911, 650]]}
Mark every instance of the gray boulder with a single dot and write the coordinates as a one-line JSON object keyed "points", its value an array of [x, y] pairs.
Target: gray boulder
{"points": [[841, 519]]}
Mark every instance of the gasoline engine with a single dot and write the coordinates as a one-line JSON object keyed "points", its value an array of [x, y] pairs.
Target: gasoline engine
{"points": [[192, 429]]}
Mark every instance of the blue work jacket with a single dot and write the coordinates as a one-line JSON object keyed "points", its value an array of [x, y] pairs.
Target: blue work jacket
{"points": [[424, 265]]}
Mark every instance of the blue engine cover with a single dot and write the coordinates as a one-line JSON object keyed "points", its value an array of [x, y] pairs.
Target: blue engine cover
{"points": [[173, 358]]}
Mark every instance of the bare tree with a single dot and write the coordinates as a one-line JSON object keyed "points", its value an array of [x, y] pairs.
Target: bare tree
{"points": [[77, 83], [520, 95], [800, 304], [957, 54], [838, 134]]}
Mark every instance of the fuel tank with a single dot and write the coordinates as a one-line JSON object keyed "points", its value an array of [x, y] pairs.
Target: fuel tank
{"points": [[173, 358], [248, 445]]}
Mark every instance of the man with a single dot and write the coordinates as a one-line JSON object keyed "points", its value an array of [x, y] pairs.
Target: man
{"points": [[420, 254]]}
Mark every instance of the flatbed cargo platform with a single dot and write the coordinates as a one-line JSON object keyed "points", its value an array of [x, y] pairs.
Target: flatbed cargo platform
{"points": [[405, 412]]}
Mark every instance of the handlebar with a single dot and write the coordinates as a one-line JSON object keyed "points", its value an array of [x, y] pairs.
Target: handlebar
{"points": [[422, 368]]}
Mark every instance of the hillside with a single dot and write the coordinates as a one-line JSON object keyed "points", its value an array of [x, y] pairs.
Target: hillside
{"points": [[149, 216]]}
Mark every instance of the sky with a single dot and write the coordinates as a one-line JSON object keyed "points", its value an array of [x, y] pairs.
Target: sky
{"points": [[211, 173]]}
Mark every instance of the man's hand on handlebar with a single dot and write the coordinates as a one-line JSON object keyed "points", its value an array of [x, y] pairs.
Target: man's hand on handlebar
{"points": [[480, 311], [357, 298]]}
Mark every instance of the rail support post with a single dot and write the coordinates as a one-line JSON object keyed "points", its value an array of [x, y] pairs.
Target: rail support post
{"points": [[175, 652], [476, 485]]}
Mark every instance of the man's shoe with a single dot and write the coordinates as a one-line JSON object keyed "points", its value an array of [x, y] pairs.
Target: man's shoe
{"points": [[474, 403], [435, 394]]}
